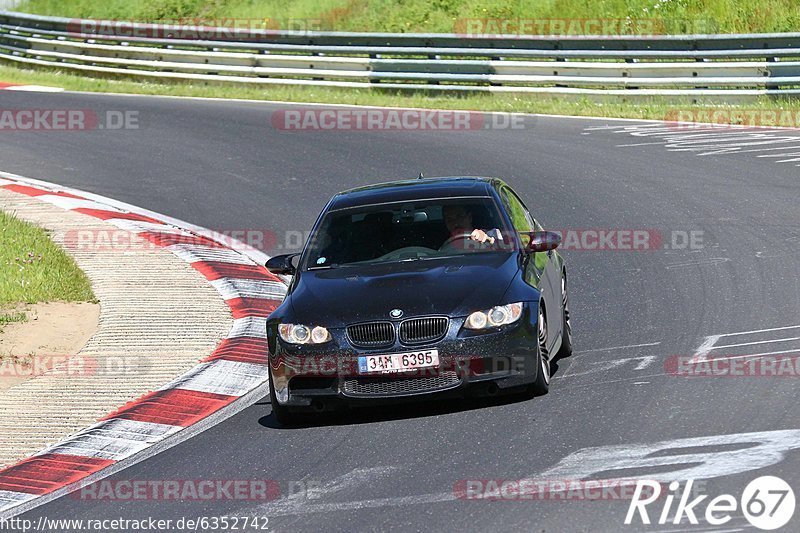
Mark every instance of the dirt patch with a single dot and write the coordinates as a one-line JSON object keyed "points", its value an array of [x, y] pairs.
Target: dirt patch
{"points": [[53, 332]]}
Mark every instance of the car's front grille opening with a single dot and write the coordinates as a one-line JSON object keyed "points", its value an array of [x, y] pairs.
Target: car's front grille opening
{"points": [[311, 382], [422, 330], [398, 386], [371, 334]]}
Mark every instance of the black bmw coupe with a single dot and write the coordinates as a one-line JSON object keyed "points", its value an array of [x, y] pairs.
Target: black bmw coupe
{"points": [[418, 289]]}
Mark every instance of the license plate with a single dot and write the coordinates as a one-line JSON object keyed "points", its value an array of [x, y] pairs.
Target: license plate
{"points": [[397, 362]]}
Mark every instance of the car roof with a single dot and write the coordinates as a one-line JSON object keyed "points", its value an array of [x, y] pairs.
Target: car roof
{"points": [[418, 189]]}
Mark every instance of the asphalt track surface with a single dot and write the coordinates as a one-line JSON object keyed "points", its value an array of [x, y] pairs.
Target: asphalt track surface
{"points": [[221, 165]]}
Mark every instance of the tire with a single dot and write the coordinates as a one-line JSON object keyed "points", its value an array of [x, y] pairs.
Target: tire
{"points": [[566, 330], [541, 386], [281, 413]]}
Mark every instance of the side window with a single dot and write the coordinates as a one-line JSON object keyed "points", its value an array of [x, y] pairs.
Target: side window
{"points": [[519, 215], [522, 220]]}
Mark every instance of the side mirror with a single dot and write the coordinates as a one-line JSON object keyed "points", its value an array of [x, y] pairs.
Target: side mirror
{"points": [[282, 264], [543, 241]]}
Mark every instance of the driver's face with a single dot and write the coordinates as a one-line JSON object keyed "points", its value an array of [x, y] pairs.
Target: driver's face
{"points": [[457, 218]]}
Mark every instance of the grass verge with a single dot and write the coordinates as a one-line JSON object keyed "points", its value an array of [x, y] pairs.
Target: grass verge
{"points": [[34, 269], [656, 109], [446, 16]]}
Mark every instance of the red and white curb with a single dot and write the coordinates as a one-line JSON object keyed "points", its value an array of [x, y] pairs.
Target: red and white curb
{"points": [[234, 376], [29, 88]]}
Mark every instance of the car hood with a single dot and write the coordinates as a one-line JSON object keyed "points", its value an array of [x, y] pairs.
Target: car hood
{"points": [[450, 286]]}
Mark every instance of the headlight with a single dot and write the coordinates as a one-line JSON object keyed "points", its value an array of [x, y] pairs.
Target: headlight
{"points": [[300, 334], [494, 317]]}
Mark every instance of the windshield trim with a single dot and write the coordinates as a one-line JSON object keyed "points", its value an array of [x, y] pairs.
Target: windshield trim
{"points": [[361, 206]]}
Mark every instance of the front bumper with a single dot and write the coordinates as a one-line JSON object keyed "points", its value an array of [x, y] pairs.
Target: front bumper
{"points": [[327, 375]]}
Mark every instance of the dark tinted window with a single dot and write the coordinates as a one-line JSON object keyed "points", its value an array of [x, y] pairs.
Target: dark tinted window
{"points": [[424, 229]]}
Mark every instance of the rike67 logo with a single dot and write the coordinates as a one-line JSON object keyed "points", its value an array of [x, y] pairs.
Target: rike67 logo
{"points": [[767, 503]]}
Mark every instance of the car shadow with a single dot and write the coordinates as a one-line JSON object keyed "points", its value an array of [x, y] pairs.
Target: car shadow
{"points": [[554, 366], [403, 411], [389, 412]]}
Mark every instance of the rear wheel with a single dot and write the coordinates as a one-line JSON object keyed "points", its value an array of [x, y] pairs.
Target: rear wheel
{"points": [[566, 331], [541, 386]]}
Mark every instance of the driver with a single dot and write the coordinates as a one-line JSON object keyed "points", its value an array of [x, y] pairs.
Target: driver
{"points": [[458, 220]]}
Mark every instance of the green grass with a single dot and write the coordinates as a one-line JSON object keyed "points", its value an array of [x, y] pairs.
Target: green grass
{"points": [[670, 16], [34, 269], [653, 109], [10, 318]]}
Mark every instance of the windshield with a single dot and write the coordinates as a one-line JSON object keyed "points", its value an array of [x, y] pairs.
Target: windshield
{"points": [[424, 229]]}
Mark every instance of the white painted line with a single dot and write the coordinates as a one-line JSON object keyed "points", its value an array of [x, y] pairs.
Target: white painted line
{"points": [[114, 439], [4, 181], [193, 253], [668, 133], [703, 350], [645, 362], [605, 366], [770, 341], [231, 378], [745, 141], [700, 262], [231, 288], [758, 331], [638, 144], [72, 203], [769, 149], [251, 326], [762, 354], [9, 498], [35, 89], [599, 128], [618, 347], [726, 140], [136, 226]]}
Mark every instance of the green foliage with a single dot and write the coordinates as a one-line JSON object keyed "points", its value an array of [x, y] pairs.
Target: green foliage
{"points": [[443, 16], [34, 269]]}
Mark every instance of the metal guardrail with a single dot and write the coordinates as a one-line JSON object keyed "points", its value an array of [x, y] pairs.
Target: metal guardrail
{"points": [[723, 66]]}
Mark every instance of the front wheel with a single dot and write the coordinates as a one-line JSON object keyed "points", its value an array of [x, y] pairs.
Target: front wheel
{"points": [[541, 386]]}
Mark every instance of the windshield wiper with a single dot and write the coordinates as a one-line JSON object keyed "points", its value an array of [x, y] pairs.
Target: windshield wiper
{"points": [[323, 267]]}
